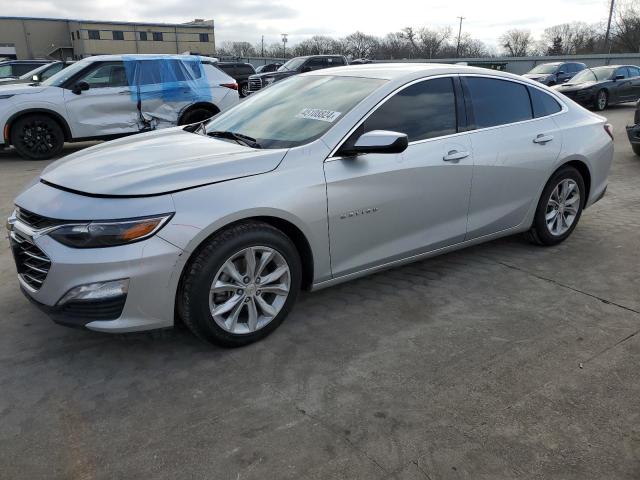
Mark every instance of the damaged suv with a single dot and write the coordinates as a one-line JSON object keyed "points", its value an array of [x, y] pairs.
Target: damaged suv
{"points": [[109, 96]]}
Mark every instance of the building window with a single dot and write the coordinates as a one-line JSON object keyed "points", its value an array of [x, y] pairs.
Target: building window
{"points": [[73, 36], [94, 34], [143, 36], [78, 34], [157, 36], [118, 35], [204, 37]]}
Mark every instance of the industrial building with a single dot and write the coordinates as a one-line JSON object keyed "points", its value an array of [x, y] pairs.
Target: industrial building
{"points": [[66, 39]]}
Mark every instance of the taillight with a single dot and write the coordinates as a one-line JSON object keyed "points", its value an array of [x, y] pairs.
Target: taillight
{"points": [[232, 86], [609, 129]]}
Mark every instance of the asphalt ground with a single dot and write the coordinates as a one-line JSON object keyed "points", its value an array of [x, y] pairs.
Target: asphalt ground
{"points": [[502, 361]]}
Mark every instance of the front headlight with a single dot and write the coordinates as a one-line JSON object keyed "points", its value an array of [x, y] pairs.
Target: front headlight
{"points": [[101, 234]]}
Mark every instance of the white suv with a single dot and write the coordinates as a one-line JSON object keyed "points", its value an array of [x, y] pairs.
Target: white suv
{"points": [[109, 96]]}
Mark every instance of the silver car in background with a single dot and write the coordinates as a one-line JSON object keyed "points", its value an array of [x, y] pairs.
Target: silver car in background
{"points": [[321, 178]]}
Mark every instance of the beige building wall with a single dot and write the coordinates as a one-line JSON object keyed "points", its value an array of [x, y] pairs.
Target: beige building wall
{"points": [[37, 38], [34, 38]]}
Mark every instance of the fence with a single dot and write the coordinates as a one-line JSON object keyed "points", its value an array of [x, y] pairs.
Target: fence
{"points": [[518, 65]]}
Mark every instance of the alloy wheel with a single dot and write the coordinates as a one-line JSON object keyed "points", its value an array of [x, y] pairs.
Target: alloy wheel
{"points": [[602, 100], [563, 207], [38, 137], [249, 290]]}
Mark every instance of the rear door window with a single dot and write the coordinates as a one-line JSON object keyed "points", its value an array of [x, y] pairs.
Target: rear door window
{"points": [[634, 71], [316, 63], [497, 102], [423, 110]]}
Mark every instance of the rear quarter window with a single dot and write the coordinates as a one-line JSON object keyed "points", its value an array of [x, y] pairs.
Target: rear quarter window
{"points": [[497, 102], [543, 104]]}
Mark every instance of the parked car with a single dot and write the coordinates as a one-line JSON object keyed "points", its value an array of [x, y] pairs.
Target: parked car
{"points": [[600, 87], [294, 67], [223, 223], [39, 74], [269, 67], [15, 68], [104, 97], [633, 131], [240, 72], [554, 73]]}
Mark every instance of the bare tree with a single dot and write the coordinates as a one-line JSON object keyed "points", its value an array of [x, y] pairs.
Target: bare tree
{"points": [[626, 28], [572, 38], [361, 45], [517, 42], [393, 46], [430, 42], [237, 49]]}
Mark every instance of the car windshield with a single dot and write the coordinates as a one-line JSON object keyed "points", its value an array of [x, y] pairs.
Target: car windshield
{"points": [[295, 111], [65, 74], [593, 75], [292, 64], [34, 72], [545, 68]]}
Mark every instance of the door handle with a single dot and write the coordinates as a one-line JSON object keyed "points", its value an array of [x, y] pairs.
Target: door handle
{"points": [[542, 139], [455, 155], [124, 92]]}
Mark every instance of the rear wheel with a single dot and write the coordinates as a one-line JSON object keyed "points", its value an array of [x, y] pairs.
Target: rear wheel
{"points": [[241, 285], [37, 137], [602, 100], [559, 208], [244, 89]]}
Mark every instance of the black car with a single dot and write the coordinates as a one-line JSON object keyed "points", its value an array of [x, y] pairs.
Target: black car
{"points": [[240, 72], [269, 67], [294, 67], [554, 73], [599, 87], [634, 131], [15, 68]]}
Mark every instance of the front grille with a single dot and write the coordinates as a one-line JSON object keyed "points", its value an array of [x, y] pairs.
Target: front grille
{"points": [[32, 263], [255, 84], [36, 221]]}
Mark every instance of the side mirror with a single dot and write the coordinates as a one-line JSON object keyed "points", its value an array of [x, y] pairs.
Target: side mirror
{"points": [[80, 87], [618, 77], [561, 72], [35, 78], [566, 80], [380, 141]]}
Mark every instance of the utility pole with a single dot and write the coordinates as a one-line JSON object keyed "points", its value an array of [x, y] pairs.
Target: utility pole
{"points": [[607, 44], [459, 34], [262, 47], [284, 44]]}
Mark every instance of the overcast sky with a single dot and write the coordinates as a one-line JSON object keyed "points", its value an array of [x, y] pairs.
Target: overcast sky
{"points": [[249, 19]]}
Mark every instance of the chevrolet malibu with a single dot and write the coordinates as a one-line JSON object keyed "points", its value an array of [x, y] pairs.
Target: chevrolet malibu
{"points": [[319, 179]]}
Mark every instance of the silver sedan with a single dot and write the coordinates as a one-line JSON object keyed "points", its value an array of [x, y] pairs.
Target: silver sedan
{"points": [[318, 179]]}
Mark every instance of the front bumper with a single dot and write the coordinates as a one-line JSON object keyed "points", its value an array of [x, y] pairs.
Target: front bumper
{"points": [[583, 97], [148, 265]]}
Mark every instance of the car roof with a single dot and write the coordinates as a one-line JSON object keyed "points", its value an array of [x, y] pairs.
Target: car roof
{"points": [[143, 56], [408, 71], [26, 61]]}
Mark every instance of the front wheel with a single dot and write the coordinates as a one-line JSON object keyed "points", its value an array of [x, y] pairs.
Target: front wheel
{"points": [[559, 207], [37, 137], [636, 148], [244, 89], [241, 285], [602, 100]]}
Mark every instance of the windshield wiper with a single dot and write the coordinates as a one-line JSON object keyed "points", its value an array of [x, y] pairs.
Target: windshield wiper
{"points": [[238, 137]]}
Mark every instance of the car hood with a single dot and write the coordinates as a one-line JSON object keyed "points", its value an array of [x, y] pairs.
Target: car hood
{"points": [[158, 162], [573, 86], [20, 89], [536, 76], [276, 75]]}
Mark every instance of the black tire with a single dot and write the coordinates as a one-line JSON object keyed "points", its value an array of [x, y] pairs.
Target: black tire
{"points": [[193, 296], [243, 90], [539, 232], [195, 115], [37, 137], [597, 105], [636, 148]]}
